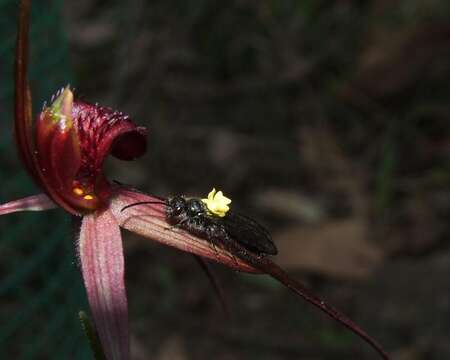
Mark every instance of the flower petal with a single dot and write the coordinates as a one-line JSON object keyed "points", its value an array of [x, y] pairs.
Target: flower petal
{"points": [[102, 131], [102, 264], [22, 103], [58, 153], [150, 221], [267, 266], [31, 203]]}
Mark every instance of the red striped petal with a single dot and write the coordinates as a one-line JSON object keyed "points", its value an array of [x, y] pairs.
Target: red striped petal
{"points": [[149, 221], [31, 203], [102, 264]]}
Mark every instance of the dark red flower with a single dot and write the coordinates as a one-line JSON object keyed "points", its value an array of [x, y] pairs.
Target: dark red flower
{"points": [[72, 140]]}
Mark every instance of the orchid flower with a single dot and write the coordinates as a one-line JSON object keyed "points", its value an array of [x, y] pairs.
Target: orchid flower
{"points": [[64, 152]]}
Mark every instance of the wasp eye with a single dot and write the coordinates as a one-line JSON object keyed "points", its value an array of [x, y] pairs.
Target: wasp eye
{"points": [[176, 206]]}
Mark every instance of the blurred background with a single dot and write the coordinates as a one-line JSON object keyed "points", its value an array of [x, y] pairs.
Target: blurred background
{"points": [[327, 121]]}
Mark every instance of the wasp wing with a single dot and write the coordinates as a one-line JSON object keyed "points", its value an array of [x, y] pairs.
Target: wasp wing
{"points": [[248, 233]]}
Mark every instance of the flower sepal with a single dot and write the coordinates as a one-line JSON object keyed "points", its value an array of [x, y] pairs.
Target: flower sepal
{"points": [[59, 156]]}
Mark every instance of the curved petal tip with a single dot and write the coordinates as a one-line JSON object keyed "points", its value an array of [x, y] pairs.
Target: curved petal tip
{"points": [[38, 202]]}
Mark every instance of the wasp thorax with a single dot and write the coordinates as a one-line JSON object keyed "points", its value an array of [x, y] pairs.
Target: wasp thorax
{"points": [[195, 207]]}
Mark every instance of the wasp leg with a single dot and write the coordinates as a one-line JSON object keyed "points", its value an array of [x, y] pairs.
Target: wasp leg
{"points": [[211, 235], [212, 244], [234, 259], [179, 225], [230, 249], [218, 236]]}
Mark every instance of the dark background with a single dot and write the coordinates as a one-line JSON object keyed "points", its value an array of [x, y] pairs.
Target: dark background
{"points": [[324, 120], [328, 121]]}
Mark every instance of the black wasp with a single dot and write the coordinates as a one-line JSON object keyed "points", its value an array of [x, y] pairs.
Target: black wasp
{"points": [[201, 218]]}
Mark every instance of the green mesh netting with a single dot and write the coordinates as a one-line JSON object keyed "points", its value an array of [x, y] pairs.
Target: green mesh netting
{"points": [[40, 287]]}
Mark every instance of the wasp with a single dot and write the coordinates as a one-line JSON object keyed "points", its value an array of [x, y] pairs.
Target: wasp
{"points": [[212, 220]]}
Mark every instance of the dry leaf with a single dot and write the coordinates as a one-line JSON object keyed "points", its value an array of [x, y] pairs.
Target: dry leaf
{"points": [[138, 349], [338, 249], [290, 204], [172, 349]]}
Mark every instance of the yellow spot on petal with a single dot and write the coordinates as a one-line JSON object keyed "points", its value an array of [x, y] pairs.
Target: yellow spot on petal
{"points": [[78, 191], [217, 203], [88, 197]]}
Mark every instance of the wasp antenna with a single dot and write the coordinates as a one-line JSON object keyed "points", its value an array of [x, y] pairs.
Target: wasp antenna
{"points": [[142, 203]]}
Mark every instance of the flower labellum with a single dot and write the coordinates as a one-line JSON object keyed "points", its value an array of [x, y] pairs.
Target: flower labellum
{"points": [[72, 140]]}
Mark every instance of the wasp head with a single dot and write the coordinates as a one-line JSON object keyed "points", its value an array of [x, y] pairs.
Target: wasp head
{"points": [[175, 206]]}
